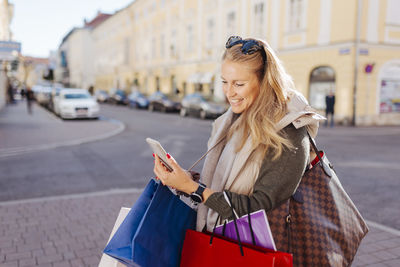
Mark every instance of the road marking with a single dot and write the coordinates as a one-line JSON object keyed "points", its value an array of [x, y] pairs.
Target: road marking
{"points": [[74, 196], [14, 151]]}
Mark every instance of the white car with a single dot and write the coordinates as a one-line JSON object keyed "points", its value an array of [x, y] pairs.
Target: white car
{"points": [[76, 103]]}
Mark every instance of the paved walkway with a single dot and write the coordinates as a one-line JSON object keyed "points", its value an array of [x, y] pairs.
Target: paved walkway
{"points": [[21, 132], [73, 230]]}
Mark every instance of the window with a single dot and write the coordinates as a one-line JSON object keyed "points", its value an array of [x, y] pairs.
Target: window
{"points": [[190, 38], [296, 13], [259, 20], [153, 48], [126, 51], [393, 7], [162, 45], [210, 32], [389, 95], [173, 46], [230, 25]]}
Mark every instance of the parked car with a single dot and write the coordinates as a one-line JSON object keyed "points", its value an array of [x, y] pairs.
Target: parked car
{"points": [[195, 104], [54, 97], [101, 96], [159, 101], [138, 100], [42, 94], [76, 103], [118, 97]]}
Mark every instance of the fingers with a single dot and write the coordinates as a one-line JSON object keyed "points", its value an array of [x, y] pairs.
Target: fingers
{"points": [[159, 169], [172, 162], [160, 162]]}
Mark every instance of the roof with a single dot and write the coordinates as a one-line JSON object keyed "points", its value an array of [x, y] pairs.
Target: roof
{"points": [[68, 35], [36, 60], [97, 20]]}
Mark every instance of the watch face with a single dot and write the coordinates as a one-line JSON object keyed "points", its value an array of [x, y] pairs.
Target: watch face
{"points": [[196, 198]]}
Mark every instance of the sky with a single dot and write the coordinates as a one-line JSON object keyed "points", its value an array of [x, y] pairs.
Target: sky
{"points": [[40, 25]]}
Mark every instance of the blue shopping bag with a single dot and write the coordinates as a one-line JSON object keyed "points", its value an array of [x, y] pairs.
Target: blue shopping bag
{"points": [[152, 233]]}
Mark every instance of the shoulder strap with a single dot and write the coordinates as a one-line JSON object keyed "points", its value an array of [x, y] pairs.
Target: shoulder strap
{"points": [[205, 154]]}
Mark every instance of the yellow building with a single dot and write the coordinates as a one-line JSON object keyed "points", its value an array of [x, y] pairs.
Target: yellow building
{"points": [[177, 45], [349, 47], [112, 52]]}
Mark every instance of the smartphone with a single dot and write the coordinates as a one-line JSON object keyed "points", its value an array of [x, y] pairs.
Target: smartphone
{"points": [[160, 151]]}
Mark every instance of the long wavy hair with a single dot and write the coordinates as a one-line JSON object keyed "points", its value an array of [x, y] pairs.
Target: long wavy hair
{"points": [[269, 106]]}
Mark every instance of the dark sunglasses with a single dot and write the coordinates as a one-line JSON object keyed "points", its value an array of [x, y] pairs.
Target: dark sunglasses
{"points": [[249, 46]]}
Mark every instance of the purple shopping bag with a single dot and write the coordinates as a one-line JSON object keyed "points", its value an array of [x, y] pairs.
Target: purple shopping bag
{"points": [[259, 222]]}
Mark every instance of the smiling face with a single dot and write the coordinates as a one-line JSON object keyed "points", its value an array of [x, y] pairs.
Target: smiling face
{"points": [[240, 85]]}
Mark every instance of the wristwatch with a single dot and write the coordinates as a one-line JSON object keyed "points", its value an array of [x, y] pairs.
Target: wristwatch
{"points": [[197, 196]]}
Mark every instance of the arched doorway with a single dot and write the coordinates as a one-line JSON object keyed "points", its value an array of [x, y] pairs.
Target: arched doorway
{"points": [[389, 88], [322, 82]]}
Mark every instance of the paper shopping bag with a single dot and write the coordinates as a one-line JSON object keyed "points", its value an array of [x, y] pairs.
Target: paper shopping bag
{"points": [[107, 261], [260, 226], [200, 250], [152, 234]]}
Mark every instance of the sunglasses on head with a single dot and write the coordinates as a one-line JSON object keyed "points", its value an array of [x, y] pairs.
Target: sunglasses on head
{"points": [[249, 46]]}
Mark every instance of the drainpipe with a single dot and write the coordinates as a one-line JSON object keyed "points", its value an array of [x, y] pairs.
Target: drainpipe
{"points": [[356, 60]]}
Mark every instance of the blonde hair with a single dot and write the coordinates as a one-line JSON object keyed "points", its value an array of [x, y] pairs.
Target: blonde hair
{"points": [[269, 107]]}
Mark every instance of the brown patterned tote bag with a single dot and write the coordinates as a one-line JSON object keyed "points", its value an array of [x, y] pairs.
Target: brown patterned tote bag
{"points": [[319, 224]]}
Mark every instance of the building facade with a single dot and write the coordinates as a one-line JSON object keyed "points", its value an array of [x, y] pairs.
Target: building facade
{"points": [[348, 47], [6, 15], [75, 64], [112, 52]]}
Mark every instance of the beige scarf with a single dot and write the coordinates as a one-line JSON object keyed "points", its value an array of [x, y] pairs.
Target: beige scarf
{"points": [[237, 172]]}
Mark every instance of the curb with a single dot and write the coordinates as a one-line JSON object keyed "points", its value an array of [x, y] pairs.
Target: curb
{"points": [[9, 152], [73, 196]]}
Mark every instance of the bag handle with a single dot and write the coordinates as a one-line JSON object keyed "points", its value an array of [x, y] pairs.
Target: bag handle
{"points": [[314, 146], [236, 227], [327, 168], [205, 154], [228, 199], [253, 239], [224, 136]]}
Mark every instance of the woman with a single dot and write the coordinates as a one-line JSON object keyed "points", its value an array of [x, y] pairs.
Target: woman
{"points": [[264, 149]]}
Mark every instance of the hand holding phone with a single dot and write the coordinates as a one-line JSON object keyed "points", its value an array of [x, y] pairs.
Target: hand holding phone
{"points": [[160, 151]]}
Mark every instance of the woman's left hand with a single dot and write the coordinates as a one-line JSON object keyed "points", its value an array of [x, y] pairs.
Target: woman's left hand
{"points": [[179, 178]]}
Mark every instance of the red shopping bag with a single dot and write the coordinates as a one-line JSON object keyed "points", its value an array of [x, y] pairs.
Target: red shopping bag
{"points": [[205, 249]]}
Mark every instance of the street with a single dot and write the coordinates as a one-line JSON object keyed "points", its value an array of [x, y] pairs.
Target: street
{"points": [[366, 160], [58, 203]]}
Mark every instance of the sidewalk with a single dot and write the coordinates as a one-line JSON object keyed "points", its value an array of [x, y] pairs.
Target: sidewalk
{"points": [[22, 133], [73, 230]]}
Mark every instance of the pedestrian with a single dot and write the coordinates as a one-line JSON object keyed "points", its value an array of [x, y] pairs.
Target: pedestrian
{"points": [[29, 99], [91, 90], [10, 92], [265, 148], [330, 109]]}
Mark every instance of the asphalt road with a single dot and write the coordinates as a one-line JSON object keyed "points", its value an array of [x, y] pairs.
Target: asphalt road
{"points": [[366, 160]]}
